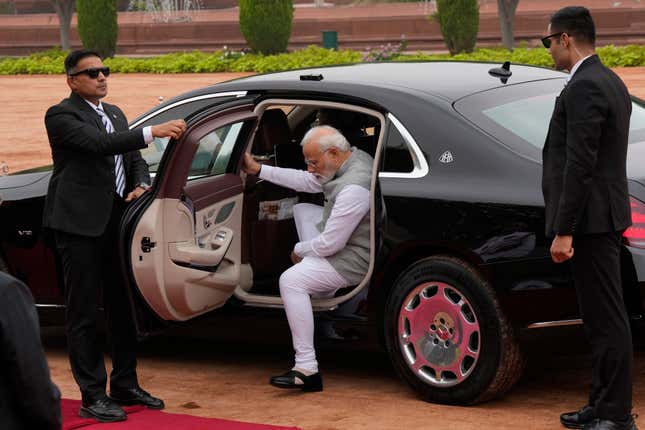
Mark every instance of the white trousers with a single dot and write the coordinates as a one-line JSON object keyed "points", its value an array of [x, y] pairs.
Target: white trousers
{"points": [[312, 277]]}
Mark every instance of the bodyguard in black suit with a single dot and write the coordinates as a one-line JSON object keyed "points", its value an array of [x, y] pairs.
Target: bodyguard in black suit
{"points": [[587, 208], [97, 170]]}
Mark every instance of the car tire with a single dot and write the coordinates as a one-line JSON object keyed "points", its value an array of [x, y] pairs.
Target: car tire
{"points": [[446, 335]]}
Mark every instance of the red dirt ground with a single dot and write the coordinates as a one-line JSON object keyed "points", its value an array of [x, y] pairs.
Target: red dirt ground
{"points": [[25, 99]]}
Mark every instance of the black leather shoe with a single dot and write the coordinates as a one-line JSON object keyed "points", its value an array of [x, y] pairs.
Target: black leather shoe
{"points": [[136, 396], [577, 419], [599, 424], [309, 383], [103, 410]]}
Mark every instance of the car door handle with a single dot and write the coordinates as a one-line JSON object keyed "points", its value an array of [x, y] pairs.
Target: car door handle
{"points": [[208, 253], [147, 244]]}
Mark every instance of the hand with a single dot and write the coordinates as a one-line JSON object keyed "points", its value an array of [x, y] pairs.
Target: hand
{"points": [[135, 194], [249, 165], [561, 248], [173, 129], [295, 258]]}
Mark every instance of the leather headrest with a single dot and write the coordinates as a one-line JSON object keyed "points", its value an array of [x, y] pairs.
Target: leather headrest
{"points": [[273, 130]]}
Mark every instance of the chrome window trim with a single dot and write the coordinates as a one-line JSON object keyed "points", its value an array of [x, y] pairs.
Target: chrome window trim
{"points": [[421, 168], [559, 323], [189, 100], [49, 306]]}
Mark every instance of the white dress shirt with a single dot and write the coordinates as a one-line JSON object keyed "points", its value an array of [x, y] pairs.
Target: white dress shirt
{"points": [[147, 131], [352, 204], [575, 68]]}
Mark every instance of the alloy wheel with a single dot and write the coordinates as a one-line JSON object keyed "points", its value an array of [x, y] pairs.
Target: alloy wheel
{"points": [[439, 334]]}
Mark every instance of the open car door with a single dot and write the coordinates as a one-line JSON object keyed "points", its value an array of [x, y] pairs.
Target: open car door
{"points": [[181, 242]]}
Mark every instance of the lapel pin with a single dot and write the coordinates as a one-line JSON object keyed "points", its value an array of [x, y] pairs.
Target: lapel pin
{"points": [[114, 115]]}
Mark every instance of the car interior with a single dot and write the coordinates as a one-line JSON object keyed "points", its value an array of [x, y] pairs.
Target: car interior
{"points": [[226, 233], [269, 233]]}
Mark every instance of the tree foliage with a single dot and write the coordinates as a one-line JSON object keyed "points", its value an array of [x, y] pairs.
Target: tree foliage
{"points": [[459, 23], [97, 25], [266, 24]]}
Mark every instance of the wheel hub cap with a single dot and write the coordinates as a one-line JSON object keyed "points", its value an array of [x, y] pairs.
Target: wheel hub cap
{"points": [[439, 334]]}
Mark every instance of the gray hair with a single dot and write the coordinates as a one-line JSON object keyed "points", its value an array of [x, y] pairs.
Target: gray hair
{"points": [[329, 137]]}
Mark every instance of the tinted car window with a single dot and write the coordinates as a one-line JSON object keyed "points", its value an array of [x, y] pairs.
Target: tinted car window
{"points": [[526, 117], [519, 115], [637, 123], [397, 157], [214, 151], [153, 153]]}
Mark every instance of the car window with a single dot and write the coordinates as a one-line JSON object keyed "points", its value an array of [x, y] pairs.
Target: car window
{"points": [[154, 152], [637, 123], [397, 157], [520, 114], [528, 117], [214, 152]]}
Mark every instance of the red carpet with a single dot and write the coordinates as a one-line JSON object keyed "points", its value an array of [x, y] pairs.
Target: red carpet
{"points": [[140, 418]]}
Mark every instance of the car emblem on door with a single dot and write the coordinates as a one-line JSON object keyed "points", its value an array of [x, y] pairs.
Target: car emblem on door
{"points": [[446, 157]]}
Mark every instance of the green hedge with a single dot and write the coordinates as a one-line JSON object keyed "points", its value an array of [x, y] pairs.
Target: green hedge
{"points": [[51, 62], [266, 24], [459, 24], [97, 25]]}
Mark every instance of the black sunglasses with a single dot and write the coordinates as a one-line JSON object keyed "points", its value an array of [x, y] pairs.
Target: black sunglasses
{"points": [[93, 72], [546, 41]]}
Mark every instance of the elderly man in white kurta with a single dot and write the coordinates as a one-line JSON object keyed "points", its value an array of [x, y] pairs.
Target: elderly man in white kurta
{"points": [[334, 246]]}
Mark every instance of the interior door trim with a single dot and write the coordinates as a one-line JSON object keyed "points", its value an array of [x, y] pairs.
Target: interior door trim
{"points": [[201, 192]]}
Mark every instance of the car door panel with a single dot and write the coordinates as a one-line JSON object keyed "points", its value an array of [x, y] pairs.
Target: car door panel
{"points": [[205, 191], [186, 247]]}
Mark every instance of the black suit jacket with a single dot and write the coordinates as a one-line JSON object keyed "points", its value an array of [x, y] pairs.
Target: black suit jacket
{"points": [[28, 398], [82, 187], [584, 178]]}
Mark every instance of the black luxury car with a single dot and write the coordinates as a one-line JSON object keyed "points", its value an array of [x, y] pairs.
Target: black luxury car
{"points": [[459, 258]]}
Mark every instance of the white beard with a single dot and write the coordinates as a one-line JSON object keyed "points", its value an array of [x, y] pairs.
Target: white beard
{"points": [[324, 179]]}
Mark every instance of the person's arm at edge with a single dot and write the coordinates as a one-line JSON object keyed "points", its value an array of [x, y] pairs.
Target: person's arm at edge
{"points": [[27, 367]]}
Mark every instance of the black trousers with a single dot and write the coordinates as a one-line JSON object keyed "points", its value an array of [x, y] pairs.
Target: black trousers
{"points": [[596, 272], [91, 270]]}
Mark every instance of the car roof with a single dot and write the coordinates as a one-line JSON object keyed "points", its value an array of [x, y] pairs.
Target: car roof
{"points": [[449, 80]]}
